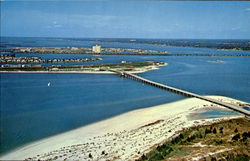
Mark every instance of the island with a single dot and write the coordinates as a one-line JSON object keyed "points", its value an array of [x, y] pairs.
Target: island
{"points": [[82, 50], [130, 67], [107, 51]]}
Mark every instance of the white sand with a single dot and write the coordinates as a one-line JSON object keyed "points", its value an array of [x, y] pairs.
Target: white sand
{"points": [[123, 137]]}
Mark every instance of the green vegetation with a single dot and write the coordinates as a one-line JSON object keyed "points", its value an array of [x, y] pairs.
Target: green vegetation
{"points": [[201, 140]]}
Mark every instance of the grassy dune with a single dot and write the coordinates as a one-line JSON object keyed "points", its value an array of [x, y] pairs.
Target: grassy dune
{"points": [[226, 140]]}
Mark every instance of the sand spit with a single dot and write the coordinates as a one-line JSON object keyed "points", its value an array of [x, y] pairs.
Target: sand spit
{"points": [[92, 70], [123, 137]]}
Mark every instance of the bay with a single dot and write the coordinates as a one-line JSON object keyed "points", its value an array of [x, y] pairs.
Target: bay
{"points": [[32, 110]]}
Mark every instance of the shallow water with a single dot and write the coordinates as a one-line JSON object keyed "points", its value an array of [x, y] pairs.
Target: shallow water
{"points": [[215, 113]]}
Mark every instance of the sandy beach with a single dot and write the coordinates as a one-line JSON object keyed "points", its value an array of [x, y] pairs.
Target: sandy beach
{"points": [[123, 137]]}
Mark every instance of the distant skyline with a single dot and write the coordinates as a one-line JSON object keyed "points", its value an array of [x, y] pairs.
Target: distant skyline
{"points": [[126, 19]]}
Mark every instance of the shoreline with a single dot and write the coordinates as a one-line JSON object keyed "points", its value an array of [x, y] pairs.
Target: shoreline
{"points": [[124, 137], [71, 72], [136, 71]]}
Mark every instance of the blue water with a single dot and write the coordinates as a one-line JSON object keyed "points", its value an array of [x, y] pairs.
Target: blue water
{"points": [[213, 113], [30, 110], [230, 78]]}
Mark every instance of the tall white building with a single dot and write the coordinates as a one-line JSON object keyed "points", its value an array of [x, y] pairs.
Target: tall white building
{"points": [[96, 49]]}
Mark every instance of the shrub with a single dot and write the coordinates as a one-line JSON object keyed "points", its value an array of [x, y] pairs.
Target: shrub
{"points": [[162, 148], [221, 130], [207, 131], [170, 150], [158, 148], [218, 142], [236, 130], [236, 137], [242, 157], [191, 138], [230, 157], [144, 157], [156, 156], [176, 140], [244, 135], [181, 136], [214, 131]]}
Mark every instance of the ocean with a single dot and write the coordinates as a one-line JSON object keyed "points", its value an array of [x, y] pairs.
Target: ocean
{"points": [[32, 110]]}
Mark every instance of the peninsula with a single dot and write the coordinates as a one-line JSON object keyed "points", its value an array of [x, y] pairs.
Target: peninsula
{"points": [[130, 67]]}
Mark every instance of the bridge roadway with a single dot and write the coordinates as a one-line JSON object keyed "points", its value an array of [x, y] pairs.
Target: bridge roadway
{"points": [[179, 91]]}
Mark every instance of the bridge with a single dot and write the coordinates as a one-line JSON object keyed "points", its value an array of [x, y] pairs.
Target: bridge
{"points": [[182, 92]]}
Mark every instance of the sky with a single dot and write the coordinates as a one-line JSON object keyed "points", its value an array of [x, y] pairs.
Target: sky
{"points": [[126, 19]]}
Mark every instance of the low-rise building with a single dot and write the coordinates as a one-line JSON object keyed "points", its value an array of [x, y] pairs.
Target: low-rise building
{"points": [[96, 49]]}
